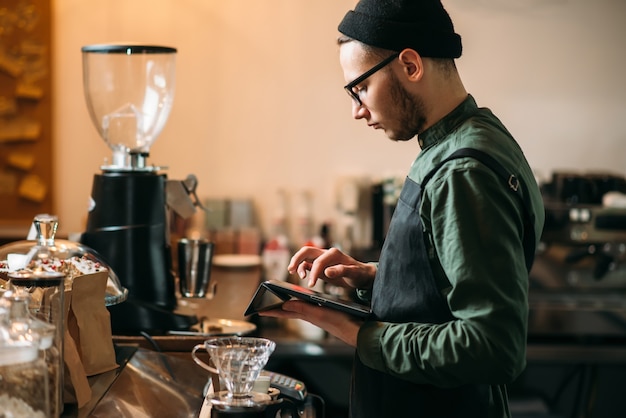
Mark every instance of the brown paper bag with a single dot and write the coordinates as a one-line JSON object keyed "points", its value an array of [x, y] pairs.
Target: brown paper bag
{"points": [[89, 323], [76, 387]]}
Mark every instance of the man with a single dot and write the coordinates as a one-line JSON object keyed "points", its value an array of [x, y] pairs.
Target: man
{"points": [[449, 294]]}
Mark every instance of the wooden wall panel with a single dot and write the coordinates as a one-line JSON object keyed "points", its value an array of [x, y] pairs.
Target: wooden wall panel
{"points": [[26, 160]]}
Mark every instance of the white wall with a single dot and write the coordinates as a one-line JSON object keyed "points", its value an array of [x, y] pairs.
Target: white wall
{"points": [[259, 102]]}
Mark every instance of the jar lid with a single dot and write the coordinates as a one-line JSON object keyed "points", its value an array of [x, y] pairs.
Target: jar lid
{"points": [[18, 352], [14, 350], [36, 278]]}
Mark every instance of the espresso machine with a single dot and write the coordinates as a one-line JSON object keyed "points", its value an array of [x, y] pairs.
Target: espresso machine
{"points": [[129, 91], [579, 216]]}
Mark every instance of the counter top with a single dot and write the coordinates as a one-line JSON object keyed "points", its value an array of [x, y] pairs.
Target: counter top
{"points": [[541, 347], [147, 384], [288, 342]]}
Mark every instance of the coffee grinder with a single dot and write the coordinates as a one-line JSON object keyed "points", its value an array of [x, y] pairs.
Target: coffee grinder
{"points": [[129, 91]]}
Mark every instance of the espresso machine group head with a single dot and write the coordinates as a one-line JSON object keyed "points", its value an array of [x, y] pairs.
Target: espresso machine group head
{"points": [[129, 91]]}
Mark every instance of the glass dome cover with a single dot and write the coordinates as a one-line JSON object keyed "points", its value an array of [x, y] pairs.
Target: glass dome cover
{"points": [[47, 250], [129, 90]]}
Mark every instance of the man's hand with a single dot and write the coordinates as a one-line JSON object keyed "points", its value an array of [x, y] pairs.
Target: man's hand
{"points": [[341, 325], [332, 266]]}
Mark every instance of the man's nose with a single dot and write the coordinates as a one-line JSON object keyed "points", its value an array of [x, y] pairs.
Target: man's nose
{"points": [[358, 110]]}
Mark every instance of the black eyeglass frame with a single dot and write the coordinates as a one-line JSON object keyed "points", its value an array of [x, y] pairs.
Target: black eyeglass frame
{"points": [[351, 85]]}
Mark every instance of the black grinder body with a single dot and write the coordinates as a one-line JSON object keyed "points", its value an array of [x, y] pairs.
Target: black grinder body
{"points": [[127, 226]]}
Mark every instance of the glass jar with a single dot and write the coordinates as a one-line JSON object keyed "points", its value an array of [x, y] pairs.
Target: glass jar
{"points": [[41, 293], [23, 322], [23, 375]]}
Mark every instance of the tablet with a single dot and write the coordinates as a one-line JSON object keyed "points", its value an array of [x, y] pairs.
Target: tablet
{"points": [[280, 292]]}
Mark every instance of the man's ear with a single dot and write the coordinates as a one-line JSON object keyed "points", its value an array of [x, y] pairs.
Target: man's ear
{"points": [[413, 65]]}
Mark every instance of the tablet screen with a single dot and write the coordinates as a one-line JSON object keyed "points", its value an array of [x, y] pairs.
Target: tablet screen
{"points": [[282, 291]]}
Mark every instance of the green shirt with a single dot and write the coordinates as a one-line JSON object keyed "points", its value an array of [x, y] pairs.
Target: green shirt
{"points": [[475, 228]]}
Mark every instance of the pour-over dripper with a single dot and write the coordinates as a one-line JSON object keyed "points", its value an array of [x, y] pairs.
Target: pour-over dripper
{"points": [[238, 362]]}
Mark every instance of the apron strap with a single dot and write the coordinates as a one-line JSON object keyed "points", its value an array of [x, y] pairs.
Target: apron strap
{"points": [[511, 181]]}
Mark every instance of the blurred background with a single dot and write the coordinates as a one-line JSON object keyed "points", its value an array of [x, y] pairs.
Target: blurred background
{"points": [[259, 110]]}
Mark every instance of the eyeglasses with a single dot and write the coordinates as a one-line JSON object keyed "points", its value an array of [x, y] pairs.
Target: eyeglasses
{"points": [[351, 86]]}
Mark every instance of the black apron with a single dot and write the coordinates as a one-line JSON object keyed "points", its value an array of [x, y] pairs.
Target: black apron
{"points": [[405, 290]]}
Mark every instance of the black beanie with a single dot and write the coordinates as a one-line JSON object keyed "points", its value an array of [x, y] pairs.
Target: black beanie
{"points": [[422, 25]]}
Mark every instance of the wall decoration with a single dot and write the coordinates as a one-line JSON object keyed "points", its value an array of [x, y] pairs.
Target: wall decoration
{"points": [[26, 158]]}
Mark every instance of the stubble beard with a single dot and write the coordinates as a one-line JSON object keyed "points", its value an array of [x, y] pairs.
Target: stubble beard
{"points": [[411, 111]]}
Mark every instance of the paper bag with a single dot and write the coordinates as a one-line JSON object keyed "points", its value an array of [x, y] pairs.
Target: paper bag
{"points": [[76, 389], [89, 323]]}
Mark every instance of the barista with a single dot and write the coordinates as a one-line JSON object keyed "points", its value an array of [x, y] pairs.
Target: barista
{"points": [[449, 294]]}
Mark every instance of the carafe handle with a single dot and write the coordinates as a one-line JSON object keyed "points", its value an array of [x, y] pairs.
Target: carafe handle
{"points": [[200, 362]]}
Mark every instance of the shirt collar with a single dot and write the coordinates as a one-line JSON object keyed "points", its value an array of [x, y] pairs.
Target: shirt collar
{"points": [[443, 127]]}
